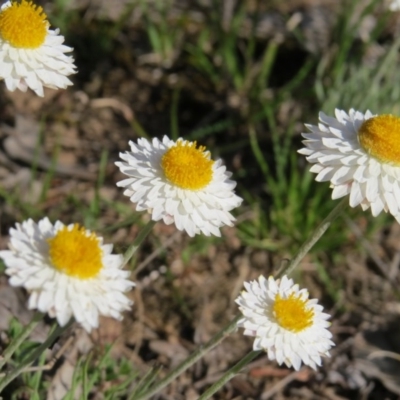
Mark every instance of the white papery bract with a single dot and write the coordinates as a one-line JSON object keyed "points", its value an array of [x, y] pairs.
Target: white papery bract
{"points": [[31, 54], [179, 183], [68, 272], [359, 155], [286, 324]]}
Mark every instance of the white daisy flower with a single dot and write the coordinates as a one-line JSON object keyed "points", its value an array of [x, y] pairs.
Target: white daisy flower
{"points": [[286, 324], [179, 183], [360, 155], [68, 272], [31, 55]]}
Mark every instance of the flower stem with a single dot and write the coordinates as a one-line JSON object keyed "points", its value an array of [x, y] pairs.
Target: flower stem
{"points": [[229, 375], [214, 341], [195, 356], [286, 270], [16, 343], [138, 241], [306, 247], [54, 334]]}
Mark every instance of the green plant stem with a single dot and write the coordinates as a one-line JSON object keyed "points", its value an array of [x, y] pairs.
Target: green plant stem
{"points": [[138, 241], [16, 343], [138, 128], [220, 336], [55, 333], [195, 356], [229, 374], [306, 247]]}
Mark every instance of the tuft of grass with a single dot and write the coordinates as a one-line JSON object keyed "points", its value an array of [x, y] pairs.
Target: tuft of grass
{"points": [[359, 73], [96, 371]]}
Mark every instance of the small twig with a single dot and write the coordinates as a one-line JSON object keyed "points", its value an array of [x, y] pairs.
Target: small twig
{"points": [[284, 382], [54, 359], [384, 353], [155, 253]]}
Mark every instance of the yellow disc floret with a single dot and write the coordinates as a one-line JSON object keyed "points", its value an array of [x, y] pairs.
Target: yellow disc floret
{"points": [[23, 25], [291, 313], [380, 137], [75, 252], [186, 166]]}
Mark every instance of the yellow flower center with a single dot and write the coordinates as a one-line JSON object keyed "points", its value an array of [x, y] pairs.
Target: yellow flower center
{"points": [[23, 25], [186, 166], [292, 314], [76, 253], [380, 137]]}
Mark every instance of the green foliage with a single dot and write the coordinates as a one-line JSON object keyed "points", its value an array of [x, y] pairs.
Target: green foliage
{"points": [[94, 372], [293, 204], [349, 76], [162, 35]]}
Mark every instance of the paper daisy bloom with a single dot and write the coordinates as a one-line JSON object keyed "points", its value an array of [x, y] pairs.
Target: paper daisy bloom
{"points": [[68, 272], [286, 324], [359, 154], [31, 55], [179, 183]]}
